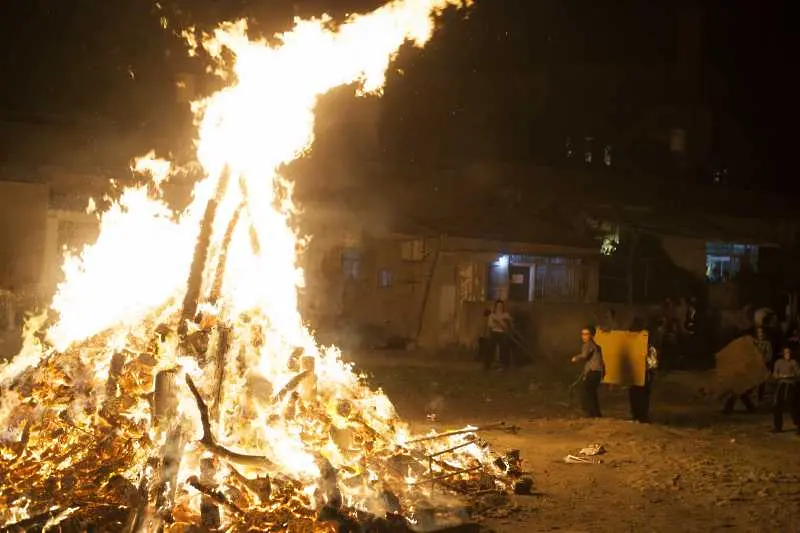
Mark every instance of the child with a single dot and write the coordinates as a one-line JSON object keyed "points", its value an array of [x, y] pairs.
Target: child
{"points": [[786, 373]]}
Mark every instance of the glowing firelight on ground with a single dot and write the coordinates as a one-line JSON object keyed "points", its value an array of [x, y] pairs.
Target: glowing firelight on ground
{"points": [[134, 276]]}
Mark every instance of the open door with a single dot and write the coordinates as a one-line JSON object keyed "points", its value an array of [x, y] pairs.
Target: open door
{"points": [[519, 283]]}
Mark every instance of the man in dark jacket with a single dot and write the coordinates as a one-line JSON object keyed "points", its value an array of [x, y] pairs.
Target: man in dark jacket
{"points": [[593, 369]]}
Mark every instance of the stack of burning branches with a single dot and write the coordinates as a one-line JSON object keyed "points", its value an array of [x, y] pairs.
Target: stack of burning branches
{"points": [[161, 442]]}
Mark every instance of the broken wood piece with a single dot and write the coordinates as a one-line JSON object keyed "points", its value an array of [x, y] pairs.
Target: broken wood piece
{"points": [[216, 288], [451, 474], [17, 448], [211, 445], [261, 487], [449, 450], [165, 398], [255, 244], [213, 494], [491, 427], [209, 512], [222, 349], [168, 432], [291, 385], [308, 385], [109, 408]]}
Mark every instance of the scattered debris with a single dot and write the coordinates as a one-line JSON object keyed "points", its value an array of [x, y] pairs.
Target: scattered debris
{"points": [[588, 455]]}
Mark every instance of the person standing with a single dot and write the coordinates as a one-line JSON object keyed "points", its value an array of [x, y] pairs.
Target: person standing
{"points": [[593, 368], [500, 323], [639, 397], [786, 373]]}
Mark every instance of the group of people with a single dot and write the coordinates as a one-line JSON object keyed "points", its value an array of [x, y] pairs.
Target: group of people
{"points": [[498, 342], [592, 376], [782, 386], [783, 383]]}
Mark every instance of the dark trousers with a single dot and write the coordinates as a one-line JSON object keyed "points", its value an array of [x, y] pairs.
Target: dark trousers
{"points": [[589, 397], [640, 400], [500, 343], [730, 403], [785, 396]]}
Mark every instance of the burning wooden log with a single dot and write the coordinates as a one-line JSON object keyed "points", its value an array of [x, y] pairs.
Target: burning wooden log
{"points": [[223, 346], [216, 288], [211, 445], [308, 385], [169, 434], [255, 245], [214, 495], [209, 512], [194, 283], [108, 410], [292, 384], [501, 426]]}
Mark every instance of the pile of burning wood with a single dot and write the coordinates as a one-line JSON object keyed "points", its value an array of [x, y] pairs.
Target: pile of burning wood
{"points": [[78, 464], [176, 391], [169, 428]]}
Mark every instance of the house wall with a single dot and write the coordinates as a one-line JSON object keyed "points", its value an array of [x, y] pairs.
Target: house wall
{"points": [[424, 300], [23, 222], [687, 253]]}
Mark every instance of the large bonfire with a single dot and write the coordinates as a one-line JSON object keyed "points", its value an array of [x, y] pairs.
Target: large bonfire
{"points": [[178, 386]]}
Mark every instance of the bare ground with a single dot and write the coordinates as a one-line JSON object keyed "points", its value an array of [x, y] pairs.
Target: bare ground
{"points": [[693, 469]]}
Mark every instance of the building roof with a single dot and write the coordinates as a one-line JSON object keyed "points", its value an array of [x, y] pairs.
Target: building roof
{"points": [[509, 225], [695, 225]]}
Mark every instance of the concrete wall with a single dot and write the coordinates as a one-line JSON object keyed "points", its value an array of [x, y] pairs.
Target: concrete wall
{"points": [[424, 301], [23, 223]]}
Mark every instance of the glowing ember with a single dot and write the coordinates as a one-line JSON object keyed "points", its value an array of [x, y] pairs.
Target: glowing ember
{"points": [[179, 376]]}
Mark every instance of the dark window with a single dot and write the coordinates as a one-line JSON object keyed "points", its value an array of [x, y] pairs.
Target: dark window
{"points": [[351, 263], [385, 278]]}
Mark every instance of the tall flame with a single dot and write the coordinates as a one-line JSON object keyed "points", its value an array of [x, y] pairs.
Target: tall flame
{"points": [[134, 275]]}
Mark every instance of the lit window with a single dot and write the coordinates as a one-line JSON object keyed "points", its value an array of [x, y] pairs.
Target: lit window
{"points": [[385, 278], [726, 261]]}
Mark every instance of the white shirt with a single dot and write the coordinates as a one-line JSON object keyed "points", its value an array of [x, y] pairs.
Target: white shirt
{"points": [[499, 322]]}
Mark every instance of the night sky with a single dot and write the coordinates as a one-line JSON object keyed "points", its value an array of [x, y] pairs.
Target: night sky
{"points": [[510, 82]]}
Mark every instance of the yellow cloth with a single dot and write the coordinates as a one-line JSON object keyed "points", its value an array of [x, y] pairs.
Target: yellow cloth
{"points": [[625, 355]]}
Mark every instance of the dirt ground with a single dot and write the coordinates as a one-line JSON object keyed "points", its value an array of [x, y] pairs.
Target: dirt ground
{"points": [[692, 469]]}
